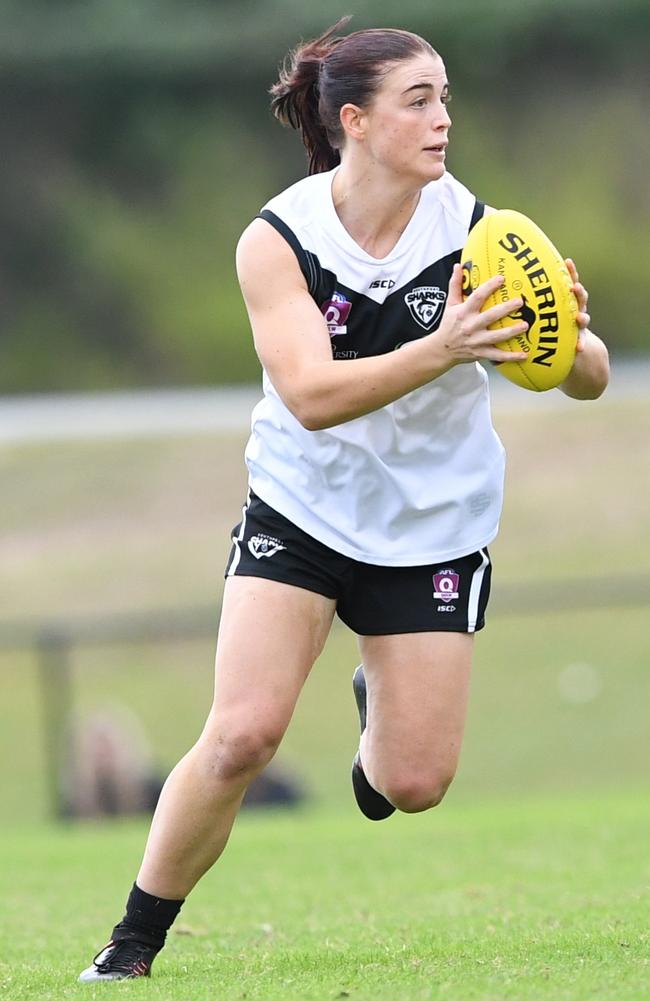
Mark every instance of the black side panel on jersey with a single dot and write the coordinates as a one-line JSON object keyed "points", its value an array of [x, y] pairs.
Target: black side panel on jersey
{"points": [[478, 213], [308, 262]]}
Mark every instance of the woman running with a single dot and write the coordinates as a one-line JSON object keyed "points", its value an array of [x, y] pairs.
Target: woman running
{"points": [[375, 473]]}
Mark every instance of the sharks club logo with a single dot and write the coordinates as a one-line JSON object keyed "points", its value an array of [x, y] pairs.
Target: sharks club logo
{"points": [[426, 304]]}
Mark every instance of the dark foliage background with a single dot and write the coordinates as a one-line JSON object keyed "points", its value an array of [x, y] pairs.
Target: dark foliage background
{"points": [[136, 144]]}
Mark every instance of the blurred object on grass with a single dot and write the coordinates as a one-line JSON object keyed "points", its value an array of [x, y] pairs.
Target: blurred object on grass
{"points": [[108, 769]]}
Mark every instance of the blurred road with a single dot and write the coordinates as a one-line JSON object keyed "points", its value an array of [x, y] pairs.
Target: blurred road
{"points": [[191, 411]]}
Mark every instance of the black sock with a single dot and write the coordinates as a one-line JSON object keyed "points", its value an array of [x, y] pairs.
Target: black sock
{"points": [[147, 918]]}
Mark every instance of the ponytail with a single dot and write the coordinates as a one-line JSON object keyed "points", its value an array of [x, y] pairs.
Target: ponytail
{"points": [[321, 76], [295, 98]]}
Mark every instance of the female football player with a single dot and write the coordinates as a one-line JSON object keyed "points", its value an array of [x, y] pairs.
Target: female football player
{"points": [[375, 474]]}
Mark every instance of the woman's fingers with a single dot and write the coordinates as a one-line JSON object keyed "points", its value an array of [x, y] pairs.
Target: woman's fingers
{"points": [[573, 271], [466, 329], [495, 355], [487, 317], [582, 319], [500, 311], [581, 294], [480, 295], [455, 292]]}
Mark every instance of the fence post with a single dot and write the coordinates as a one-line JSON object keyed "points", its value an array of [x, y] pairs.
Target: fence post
{"points": [[53, 649]]}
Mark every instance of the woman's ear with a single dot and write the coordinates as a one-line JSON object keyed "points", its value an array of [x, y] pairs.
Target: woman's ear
{"points": [[353, 121]]}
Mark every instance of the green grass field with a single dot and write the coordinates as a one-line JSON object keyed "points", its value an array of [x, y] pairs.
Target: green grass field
{"points": [[542, 899], [532, 881]]}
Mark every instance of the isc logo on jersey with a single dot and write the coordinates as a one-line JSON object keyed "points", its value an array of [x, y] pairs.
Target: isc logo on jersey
{"points": [[426, 304]]}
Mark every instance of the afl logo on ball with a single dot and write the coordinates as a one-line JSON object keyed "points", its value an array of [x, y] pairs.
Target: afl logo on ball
{"points": [[425, 304], [445, 585]]}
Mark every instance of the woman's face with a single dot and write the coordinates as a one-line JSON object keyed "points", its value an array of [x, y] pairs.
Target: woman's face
{"points": [[405, 127]]}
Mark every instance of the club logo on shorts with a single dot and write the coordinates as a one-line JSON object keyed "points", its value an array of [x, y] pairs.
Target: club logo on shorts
{"points": [[425, 304], [336, 311], [264, 545], [445, 585]]}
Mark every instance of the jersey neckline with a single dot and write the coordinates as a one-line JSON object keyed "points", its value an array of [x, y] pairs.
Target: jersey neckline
{"points": [[408, 237]]}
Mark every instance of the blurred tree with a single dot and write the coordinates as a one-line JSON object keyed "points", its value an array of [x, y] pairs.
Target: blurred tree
{"points": [[136, 144]]}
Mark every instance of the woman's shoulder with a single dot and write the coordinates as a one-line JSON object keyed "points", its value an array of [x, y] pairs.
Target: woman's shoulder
{"points": [[301, 200], [453, 197], [283, 230]]}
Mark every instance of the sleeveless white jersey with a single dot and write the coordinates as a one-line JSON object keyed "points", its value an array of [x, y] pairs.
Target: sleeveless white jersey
{"points": [[420, 480]]}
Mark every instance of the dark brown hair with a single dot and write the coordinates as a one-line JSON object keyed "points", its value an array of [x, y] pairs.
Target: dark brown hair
{"points": [[320, 76]]}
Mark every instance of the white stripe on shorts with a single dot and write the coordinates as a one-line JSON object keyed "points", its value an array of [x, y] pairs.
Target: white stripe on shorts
{"points": [[475, 592], [237, 554]]}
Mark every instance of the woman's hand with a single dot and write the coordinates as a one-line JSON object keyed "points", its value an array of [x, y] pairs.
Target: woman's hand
{"points": [[583, 318], [589, 376], [464, 331]]}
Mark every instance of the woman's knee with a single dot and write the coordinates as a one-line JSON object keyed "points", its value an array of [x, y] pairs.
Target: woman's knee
{"points": [[238, 753], [413, 793]]}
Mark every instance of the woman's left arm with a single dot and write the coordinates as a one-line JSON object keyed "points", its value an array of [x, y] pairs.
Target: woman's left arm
{"points": [[589, 376]]}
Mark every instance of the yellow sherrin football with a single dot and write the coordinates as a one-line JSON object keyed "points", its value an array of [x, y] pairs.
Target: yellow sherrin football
{"points": [[508, 243]]}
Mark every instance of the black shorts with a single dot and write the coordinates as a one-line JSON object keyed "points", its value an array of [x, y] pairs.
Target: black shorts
{"points": [[372, 600]]}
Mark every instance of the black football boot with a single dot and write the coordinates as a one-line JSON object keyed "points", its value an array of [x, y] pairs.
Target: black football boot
{"points": [[372, 804], [121, 960]]}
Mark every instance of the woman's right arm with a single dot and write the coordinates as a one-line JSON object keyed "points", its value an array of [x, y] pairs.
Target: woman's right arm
{"points": [[293, 343]]}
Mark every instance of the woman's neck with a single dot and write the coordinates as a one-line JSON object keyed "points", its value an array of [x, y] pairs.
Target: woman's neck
{"points": [[374, 210]]}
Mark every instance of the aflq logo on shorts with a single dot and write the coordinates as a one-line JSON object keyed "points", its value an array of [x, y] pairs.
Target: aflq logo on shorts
{"points": [[445, 585]]}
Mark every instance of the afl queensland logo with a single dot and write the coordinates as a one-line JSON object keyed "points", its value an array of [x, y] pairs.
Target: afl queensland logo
{"points": [[426, 304], [445, 585], [336, 311]]}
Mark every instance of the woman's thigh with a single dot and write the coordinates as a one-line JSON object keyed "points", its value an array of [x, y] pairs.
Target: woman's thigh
{"points": [[418, 688], [269, 637]]}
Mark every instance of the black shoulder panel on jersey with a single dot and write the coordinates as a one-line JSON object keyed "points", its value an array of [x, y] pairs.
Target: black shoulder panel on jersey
{"points": [[308, 262], [478, 213]]}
